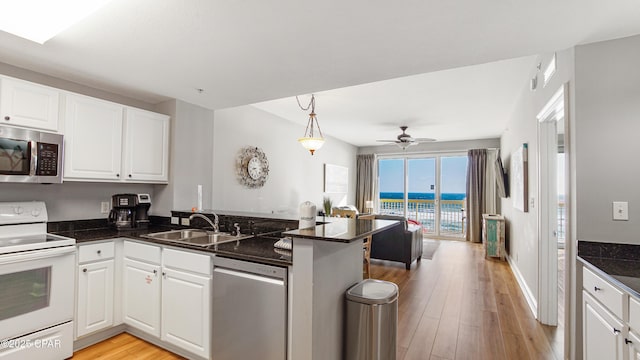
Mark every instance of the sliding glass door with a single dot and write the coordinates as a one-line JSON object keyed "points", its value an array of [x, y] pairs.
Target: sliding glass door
{"points": [[429, 190], [453, 186]]}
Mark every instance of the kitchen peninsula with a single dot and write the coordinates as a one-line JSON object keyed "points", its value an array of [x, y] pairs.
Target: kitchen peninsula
{"points": [[328, 260]]}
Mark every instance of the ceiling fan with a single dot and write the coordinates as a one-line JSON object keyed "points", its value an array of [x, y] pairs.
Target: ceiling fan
{"points": [[405, 140]]}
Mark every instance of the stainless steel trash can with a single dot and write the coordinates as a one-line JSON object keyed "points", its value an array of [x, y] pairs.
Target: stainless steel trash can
{"points": [[372, 320]]}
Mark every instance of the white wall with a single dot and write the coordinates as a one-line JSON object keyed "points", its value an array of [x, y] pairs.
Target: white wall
{"points": [[523, 128], [294, 175], [71, 200], [607, 146], [190, 160]]}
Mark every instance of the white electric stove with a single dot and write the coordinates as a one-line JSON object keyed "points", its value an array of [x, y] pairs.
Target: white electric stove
{"points": [[36, 285]]}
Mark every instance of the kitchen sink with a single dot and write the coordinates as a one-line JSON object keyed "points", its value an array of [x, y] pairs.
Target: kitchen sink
{"points": [[195, 237], [178, 234]]}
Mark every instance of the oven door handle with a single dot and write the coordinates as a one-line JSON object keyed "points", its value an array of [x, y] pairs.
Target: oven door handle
{"points": [[36, 254]]}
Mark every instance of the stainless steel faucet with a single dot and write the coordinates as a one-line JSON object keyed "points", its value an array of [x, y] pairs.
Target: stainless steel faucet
{"points": [[215, 224]]}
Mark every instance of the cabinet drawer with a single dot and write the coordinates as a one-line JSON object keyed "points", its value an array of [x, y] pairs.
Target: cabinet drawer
{"points": [[634, 314], [184, 260], [607, 294], [95, 252], [147, 253]]}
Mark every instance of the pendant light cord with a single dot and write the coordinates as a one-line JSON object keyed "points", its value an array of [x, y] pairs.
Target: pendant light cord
{"points": [[312, 104]]}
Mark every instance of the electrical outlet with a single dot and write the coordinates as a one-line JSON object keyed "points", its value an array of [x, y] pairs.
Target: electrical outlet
{"points": [[104, 207], [175, 220], [185, 221]]}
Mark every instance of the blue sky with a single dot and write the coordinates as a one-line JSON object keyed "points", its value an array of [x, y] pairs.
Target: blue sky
{"points": [[422, 174]]}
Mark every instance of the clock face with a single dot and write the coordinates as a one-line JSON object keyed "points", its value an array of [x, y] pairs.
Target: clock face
{"points": [[254, 168]]}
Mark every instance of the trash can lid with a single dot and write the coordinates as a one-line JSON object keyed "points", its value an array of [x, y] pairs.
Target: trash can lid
{"points": [[371, 291]]}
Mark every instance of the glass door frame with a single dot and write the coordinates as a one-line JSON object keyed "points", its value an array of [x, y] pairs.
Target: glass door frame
{"points": [[437, 156]]}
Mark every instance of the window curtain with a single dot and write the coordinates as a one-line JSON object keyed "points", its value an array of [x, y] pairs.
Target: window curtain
{"points": [[364, 180], [476, 179], [492, 201]]}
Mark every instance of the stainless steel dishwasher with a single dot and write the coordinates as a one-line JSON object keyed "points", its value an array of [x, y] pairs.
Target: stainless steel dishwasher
{"points": [[249, 311]]}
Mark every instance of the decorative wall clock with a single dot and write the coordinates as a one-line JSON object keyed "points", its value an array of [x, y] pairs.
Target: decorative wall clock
{"points": [[252, 167]]}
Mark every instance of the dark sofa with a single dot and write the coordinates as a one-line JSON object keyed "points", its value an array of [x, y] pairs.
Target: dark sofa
{"points": [[400, 242]]}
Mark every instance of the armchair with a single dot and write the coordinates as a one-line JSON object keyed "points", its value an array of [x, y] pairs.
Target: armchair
{"points": [[401, 242]]}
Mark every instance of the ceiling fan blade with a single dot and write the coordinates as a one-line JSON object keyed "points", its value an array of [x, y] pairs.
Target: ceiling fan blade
{"points": [[387, 141], [424, 139]]}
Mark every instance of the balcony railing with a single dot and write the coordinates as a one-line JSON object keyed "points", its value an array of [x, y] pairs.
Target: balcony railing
{"points": [[452, 216]]}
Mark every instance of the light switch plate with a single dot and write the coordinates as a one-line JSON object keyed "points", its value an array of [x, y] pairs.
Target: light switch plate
{"points": [[185, 221], [620, 210], [175, 220]]}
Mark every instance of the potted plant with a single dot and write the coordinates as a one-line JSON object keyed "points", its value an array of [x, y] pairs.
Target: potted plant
{"points": [[327, 204]]}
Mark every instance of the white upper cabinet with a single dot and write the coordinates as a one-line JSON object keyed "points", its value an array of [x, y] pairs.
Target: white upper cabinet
{"points": [[146, 154], [23, 103], [109, 142], [93, 139]]}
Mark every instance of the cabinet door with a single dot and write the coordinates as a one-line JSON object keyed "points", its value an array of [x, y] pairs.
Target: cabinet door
{"points": [[141, 296], [93, 139], [186, 311], [23, 103], [633, 346], [602, 335], [95, 297], [146, 146]]}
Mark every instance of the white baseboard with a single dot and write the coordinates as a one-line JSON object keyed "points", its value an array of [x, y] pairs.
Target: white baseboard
{"points": [[528, 295]]}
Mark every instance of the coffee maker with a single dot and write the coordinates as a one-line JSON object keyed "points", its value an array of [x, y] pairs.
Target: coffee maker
{"points": [[142, 211], [130, 211]]}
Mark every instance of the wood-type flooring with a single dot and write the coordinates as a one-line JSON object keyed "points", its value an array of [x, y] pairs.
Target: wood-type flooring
{"points": [[455, 306]]}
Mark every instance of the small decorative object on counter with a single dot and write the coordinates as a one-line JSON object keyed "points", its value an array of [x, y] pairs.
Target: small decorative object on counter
{"points": [[327, 204], [252, 167], [307, 215]]}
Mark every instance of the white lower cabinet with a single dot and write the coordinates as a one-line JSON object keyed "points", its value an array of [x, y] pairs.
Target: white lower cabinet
{"points": [[633, 346], [167, 293], [602, 332], [141, 295], [96, 280], [186, 320]]}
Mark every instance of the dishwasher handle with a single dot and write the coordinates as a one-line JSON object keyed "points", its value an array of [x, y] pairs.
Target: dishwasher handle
{"points": [[248, 276]]}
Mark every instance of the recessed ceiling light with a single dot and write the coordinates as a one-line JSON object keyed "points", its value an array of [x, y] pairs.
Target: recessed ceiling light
{"points": [[40, 20]]}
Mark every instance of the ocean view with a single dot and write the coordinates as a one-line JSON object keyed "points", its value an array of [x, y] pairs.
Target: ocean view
{"points": [[421, 208]]}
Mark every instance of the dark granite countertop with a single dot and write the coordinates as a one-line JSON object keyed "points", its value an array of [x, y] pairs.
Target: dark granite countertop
{"points": [[342, 230], [618, 263], [258, 248], [623, 273]]}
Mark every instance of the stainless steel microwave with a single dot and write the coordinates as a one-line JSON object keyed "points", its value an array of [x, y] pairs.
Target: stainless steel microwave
{"points": [[30, 156]]}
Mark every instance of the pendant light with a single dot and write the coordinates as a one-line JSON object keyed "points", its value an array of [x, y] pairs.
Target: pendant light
{"points": [[310, 141]]}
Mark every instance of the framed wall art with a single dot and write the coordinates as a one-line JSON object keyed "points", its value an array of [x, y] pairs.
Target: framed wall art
{"points": [[336, 179], [520, 178]]}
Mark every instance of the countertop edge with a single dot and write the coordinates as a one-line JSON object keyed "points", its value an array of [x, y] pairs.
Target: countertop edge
{"points": [[298, 233], [181, 246], [608, 277]]}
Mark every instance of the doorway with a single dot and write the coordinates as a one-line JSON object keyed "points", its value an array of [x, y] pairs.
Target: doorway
{"points": [[428, 189], [553, 212]]}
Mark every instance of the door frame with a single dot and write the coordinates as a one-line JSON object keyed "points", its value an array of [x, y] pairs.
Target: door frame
{"points": [[437, 156], [555, 109]]}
